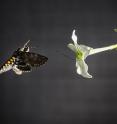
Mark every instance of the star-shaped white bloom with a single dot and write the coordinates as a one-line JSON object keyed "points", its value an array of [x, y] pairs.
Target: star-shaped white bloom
{"points": [[81, 53], [115, 29]]}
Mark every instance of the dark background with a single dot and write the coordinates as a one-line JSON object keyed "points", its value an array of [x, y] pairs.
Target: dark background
{"points": [[54, 93]]}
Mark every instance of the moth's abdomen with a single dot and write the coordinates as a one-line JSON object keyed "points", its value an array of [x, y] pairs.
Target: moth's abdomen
{"points": [[7, 65]]}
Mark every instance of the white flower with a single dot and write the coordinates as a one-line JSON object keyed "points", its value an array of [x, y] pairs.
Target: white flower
{"points": [[115, 29], [81, 52]]}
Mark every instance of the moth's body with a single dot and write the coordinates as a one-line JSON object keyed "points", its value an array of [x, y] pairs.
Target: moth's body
{"points": [[22, 61], [8, 65]]}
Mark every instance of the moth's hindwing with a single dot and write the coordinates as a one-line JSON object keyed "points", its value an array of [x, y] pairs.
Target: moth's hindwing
{"points": [[26, 68]]}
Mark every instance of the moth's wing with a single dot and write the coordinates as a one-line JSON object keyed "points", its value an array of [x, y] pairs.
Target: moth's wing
{"points": [[7, 65], [20, 66], [26, 68], [33, 59]]}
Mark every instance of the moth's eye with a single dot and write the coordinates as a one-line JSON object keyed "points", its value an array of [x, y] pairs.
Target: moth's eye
{"points": [[26, 49]]}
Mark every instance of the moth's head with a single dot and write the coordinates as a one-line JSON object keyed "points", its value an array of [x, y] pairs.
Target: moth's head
{"points": [[25, 48]]}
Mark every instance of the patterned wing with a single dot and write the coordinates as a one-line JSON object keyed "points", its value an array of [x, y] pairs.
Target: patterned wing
{"points": [[26, 68], [20, 66], [33, 59]]}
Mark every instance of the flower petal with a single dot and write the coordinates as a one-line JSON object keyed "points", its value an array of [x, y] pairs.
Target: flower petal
{"points": [[85, 49], [72, 47], [82, 68], [74, 37], [115, 29]]}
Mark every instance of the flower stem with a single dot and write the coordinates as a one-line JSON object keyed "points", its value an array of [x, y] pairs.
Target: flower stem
{"points": [[98, 50]]}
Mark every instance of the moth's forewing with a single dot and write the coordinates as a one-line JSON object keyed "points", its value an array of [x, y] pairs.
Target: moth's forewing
{"points": [[35, 59], [32, 59]]}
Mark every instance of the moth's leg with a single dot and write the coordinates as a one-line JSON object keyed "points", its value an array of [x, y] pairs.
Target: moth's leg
{"points": [[16, 70], [26, 68]]}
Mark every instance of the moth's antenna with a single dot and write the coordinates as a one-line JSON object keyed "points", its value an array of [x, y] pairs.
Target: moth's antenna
{"points": [[68, 57], [33, 47], [26, 43], [25, 48]]}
